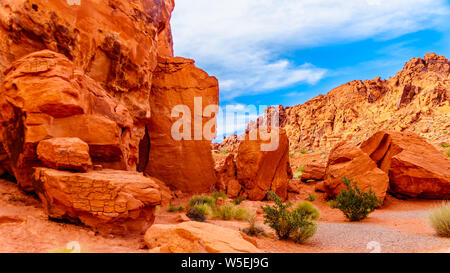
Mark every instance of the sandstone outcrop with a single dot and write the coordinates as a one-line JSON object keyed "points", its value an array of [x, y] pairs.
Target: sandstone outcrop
{"points": [[347, 160], [43, 96], [314, 171], [416, 168], [109, 201], [185, 164], [417, 99], [65, 154], [261, 171], [195, 237], [116, 43], [227, 177]]}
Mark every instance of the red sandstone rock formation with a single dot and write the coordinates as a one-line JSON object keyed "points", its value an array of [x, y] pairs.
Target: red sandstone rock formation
{"points": [[347, 160], [314, 171], [43, 96], [185, 164], [417, 99], [65, 154], [119, 63], [108, 201], [261, 171], [415, 167], [227, 177], [195, 237]]}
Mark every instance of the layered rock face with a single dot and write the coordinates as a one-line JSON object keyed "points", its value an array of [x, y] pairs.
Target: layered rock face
{"points": [[347, 160], [261, 171], [109, 201], [43, 96], [417, 99], [195, 237], [416, 168], [184, 164], [116, 43]]}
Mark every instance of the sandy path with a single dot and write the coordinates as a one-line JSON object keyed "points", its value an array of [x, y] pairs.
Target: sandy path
{"points": [[401, 226]]}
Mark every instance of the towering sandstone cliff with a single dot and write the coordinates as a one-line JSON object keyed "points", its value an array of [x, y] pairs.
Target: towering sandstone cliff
{"points": [[100, 73], [417, 99]]}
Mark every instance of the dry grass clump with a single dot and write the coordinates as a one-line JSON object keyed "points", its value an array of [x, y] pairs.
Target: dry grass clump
{"points": [[440, 219]]}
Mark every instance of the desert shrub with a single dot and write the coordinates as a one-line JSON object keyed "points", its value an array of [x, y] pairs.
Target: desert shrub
{"points": [[241, 213], [253, 229], [311, 197], [173, 208], [355, 205], [445, 145], [226, 212], [232, 212], [440, 219], [303, 152], [448, 153], [301, 235], [291, 154], [219, 194], [199, 212], [238, 200], [202, 199], [297, 224]]}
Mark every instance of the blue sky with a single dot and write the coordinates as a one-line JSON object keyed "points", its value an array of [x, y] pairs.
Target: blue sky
{"points": [[271, 52]]}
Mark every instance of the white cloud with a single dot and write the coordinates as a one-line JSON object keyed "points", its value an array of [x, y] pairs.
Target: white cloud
{"points": [[240, 40]]}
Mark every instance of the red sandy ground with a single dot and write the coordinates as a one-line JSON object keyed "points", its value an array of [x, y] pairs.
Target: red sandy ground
{"points": [[400, 226]]}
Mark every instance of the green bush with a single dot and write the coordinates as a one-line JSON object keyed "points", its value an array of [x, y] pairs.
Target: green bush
{"points": [[232, 212], [238, 200], [311, 197], [298, 224], [445, 145], [199, 212], [440, 219], [202, 199], [448, 153], [355, 205], [173, 208]]}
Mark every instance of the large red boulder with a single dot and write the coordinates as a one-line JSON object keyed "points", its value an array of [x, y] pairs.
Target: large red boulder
{"points": [[347, 160], [416, 168], [314, 171], [183, 164], [65, 153], [259, 171], [109, 201], [43, 96]]}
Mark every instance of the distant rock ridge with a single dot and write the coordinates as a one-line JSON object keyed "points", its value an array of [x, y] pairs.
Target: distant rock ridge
{"points": [[417, 100]]}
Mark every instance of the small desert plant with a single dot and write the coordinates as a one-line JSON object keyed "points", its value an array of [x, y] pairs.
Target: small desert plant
{"points": [[445, 145], [448, 153], [440, 219], [238, 200], [219, 194], [252, 229], [311, 197], [291, 154], [231, 212], [173, 208], [202, 199], [199, 212], [303, 152], [297, 224], [355, 205]]}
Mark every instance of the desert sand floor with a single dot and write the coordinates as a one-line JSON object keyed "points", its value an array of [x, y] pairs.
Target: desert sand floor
{"points": [[400, 226]]}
